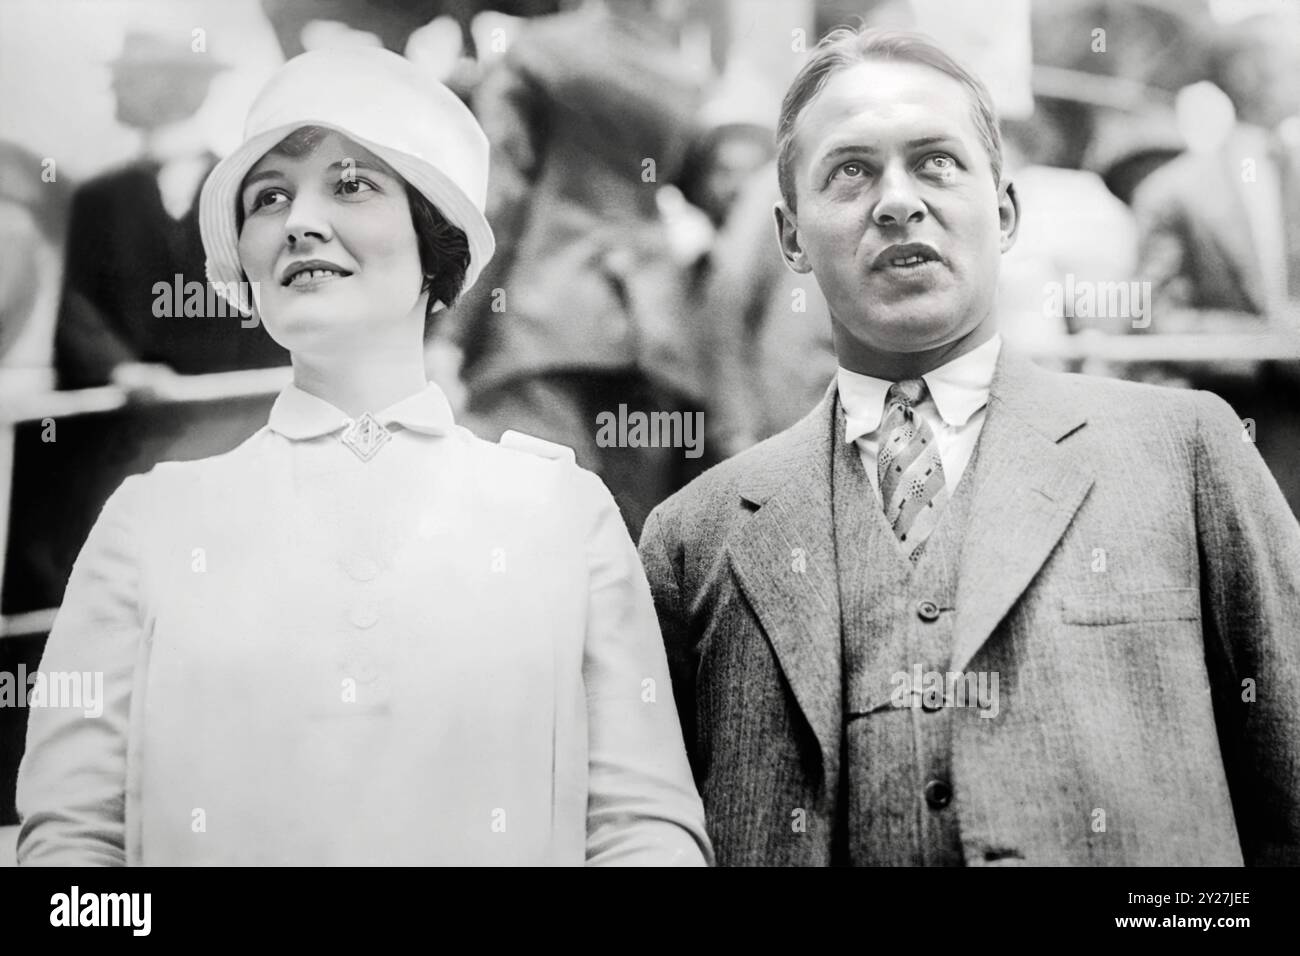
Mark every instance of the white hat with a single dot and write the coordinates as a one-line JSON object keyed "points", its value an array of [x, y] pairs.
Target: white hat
{"points": [[382, 102]]}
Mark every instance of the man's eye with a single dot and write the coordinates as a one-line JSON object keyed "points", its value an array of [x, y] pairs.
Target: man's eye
{"points": [[353, 187], [853, 170], [940, 161]]}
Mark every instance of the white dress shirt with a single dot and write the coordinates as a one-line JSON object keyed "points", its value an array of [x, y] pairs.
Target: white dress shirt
{"points": [[954, 408], [447, 654], [183, 163]]}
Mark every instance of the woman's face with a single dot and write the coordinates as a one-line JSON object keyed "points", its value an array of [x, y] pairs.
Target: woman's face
{"points": [[329, 246]]}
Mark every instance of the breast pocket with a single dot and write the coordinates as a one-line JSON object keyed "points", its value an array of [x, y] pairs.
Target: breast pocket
{"points": [[1132, 607]]}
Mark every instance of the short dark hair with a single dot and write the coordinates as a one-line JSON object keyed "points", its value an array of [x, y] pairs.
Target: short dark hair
{"points": [[846, 47], [444, 248], [444, 253]]}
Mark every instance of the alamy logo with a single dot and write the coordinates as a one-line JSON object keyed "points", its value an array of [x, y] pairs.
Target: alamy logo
{"points": [[102, 909], [1084, 299], [201, 300], [932, 690], [651, 430], [71, 689]]}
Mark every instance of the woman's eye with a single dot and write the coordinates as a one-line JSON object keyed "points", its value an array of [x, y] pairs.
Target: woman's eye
{"points": [[266, 198], [354, 187]]}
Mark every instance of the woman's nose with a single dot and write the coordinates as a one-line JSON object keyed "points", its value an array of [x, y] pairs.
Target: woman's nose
{"points": [[307, 218]]}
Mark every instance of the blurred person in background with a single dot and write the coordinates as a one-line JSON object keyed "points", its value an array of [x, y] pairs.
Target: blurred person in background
{"points": [[33, 217], [1220, 224], [771, 354], [1220, 228], [137, 226], [730, 148], [589, 112], [1073, 227], [364, 636], [722, 158]]}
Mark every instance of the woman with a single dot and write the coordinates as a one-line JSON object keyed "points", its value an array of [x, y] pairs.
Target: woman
{"points": [[363, 636]]}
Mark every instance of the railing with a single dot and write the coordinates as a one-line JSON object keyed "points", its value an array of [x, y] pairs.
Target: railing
{"points": [[1267, 342], [18, 409]]}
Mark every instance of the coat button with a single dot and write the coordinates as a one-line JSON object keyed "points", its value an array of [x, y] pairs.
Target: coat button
{"points": [[930, 705], [363, 616], [360, 568], [938, 794], [927, 611]]}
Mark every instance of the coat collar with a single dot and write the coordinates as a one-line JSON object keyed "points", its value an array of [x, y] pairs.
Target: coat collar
{"points": [[784, 561], [299, 415], [1029, 484], [1029, 487]]}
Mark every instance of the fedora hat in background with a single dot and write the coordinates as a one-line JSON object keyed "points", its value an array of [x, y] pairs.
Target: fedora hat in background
{"points": [[379, 100]]}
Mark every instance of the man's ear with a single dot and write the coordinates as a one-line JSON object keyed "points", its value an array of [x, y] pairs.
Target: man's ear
{"points": [[787, 234], [1008, 214]]}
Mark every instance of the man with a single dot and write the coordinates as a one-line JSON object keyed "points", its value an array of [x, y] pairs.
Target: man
{"points": [[1067, 636], [137, 226]]}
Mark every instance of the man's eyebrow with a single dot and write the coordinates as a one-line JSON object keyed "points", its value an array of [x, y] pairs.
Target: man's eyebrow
{"points": [[862, 148]]}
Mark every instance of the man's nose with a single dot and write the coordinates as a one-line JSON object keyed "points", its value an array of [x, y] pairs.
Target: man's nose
{"points": [[308, 217], [899, 201]]}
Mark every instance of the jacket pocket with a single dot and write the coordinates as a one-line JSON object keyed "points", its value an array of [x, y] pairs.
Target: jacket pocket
{"points": [[1128, 607]]}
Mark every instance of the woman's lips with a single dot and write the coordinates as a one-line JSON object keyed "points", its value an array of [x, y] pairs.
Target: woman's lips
{"points": [[314, 278]]}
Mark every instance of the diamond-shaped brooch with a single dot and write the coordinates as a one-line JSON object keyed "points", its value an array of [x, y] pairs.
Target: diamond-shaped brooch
{"points": [[365, 437]]}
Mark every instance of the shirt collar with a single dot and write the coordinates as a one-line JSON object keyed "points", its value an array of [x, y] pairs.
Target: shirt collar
{"points": [[959, 389], [299, 415]]}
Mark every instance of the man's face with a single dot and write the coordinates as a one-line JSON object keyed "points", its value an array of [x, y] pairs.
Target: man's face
{"points": [[898, 215], [734, 160], [149, 98], [1265, 76]]}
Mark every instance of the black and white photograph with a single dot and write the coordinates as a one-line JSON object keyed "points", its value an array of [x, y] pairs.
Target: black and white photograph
{"points": [[651, 433]]}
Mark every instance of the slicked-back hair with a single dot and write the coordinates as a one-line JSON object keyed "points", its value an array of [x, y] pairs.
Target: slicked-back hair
{"points": [[846, 47]]}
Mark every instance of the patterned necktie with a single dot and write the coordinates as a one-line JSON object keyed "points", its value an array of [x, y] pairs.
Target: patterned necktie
{"points": [[911, 472]]}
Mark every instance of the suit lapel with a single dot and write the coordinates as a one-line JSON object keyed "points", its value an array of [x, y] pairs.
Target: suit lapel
{"points": [[1028, 489], [784, 561]]}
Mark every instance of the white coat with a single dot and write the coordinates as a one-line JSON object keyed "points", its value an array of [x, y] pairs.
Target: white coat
{"points": [[444, 655]]}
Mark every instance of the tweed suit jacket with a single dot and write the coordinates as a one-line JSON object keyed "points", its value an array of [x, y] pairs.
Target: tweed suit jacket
{"points": [[1131, 572]]}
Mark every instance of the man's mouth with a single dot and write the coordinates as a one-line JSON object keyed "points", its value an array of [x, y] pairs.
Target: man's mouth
{"points": [[911, 255]]}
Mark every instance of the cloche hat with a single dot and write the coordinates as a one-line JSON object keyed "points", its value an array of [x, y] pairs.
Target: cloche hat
{"points": [[379, 100]]}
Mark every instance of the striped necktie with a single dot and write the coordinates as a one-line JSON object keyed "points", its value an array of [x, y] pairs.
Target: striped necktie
{"points": [[912, 488]]}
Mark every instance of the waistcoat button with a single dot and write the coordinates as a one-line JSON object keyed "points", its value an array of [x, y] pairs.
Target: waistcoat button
{"points": [[938, 794]]}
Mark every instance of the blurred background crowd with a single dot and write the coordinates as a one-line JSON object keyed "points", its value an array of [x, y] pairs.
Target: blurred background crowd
{"points": [[1154, 144]]}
